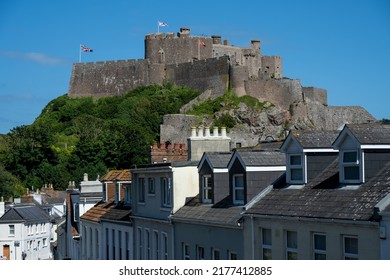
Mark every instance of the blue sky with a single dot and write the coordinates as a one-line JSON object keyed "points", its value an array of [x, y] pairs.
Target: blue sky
{"points": [[342, 46]]}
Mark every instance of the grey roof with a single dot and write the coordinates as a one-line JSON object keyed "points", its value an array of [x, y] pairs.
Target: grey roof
{"points": [[262, 158], [118, 213], [324, 197], [218, 159], [24, 213], [370, 133], [316, 138], [220, 214]]}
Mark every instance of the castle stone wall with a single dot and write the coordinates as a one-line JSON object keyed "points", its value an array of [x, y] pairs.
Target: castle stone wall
{"points": [[176, 128], [212, 74], [271, 67], [108, 78], [281, 92], [315, 94]]}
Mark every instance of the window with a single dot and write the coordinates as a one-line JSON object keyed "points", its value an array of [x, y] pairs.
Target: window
{"points": [[76, 209], [140, 243], [37, 227], [319, 246], [238, 189], [44, 242], [295, 169], [350, 248], [156, 245], [207, 190], [119, 243], [232, 255], [151, 186], [291, 245], [266, 236], [350, 167], [165, 192], [113, 244], [215, 254], [128, 195], [147, 245], [164, 246], [186, 251], [199, 253], [141, 190], [97, 244], [11, 230]]}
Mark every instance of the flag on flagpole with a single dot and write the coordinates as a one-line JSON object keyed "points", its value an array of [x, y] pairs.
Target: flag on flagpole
{"points": [[202, 43], [162, 24], [85, 49]]}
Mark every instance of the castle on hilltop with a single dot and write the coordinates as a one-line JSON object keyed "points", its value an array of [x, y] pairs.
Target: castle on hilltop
{"points": [[211, 65]]}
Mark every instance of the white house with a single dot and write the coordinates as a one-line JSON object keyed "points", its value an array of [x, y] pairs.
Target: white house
{"points": [[25, 233]]}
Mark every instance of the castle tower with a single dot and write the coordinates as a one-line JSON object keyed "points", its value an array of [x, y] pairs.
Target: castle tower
{"points": [[167, 49]]}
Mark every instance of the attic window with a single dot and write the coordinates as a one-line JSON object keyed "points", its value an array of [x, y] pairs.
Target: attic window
{"points": [[207, 189], [295, 171], [238, 189], [350, 169]]}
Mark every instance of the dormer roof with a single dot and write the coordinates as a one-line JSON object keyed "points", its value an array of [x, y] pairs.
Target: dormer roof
{"points": [[117, 175], [216, 160], [367, 135], [250, 159], [310, 140]]}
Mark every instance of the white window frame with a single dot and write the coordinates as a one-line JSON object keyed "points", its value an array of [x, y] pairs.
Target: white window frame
{"points": [[141, 190], [289, 249], [151, 186], [200, 252], [207, 186], [349, 255], [356, 164], [214, 251], [317, 251], [186, 251], [166, 193], [232, 255], [292, 166], [238, 188], [264, 245], [148, 245], [164, 245], [11, 230]]}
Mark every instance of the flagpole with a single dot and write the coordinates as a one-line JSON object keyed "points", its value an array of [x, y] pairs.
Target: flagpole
{"points": [[80, 54], [158, 27]]}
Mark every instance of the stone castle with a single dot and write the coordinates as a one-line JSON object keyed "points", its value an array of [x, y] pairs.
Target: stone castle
{"points": [[211, 66]]}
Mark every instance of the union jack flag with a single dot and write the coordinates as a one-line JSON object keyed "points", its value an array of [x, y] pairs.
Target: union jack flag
{"points": [[85, 49], [162, 24]]}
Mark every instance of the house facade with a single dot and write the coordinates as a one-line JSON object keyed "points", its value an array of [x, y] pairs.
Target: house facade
{"points": [[25, 233], [159, 190], [328, 212]]}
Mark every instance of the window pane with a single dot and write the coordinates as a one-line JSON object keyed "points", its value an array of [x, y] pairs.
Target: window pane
{"points": [[267, 238], [351, 245], [267, 254], [350, 157], [320, 242], [292, 255], [295, 160], [292, 239], [239, 194], [239, 181], [351, 173], [296, 174]]}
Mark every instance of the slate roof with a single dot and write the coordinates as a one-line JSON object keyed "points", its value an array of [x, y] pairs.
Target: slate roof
{"points": [[218, 159], [25, 213], [220, 214], [325, 198], [262, 158], [315, 138], [370, 133], [118, 213]]}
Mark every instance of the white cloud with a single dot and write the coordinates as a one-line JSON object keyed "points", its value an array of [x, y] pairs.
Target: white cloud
{"points": [[40, 58]]}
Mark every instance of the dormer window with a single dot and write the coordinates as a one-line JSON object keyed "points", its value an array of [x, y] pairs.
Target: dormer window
{"points": [[238, 189], [350, 169], [207, 189], [295, 171]]}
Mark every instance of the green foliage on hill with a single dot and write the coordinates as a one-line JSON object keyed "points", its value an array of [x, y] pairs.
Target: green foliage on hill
{"points": [[83, 135]]}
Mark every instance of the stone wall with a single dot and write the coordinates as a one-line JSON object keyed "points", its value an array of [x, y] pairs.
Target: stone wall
{"points": [[111, 77]]}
